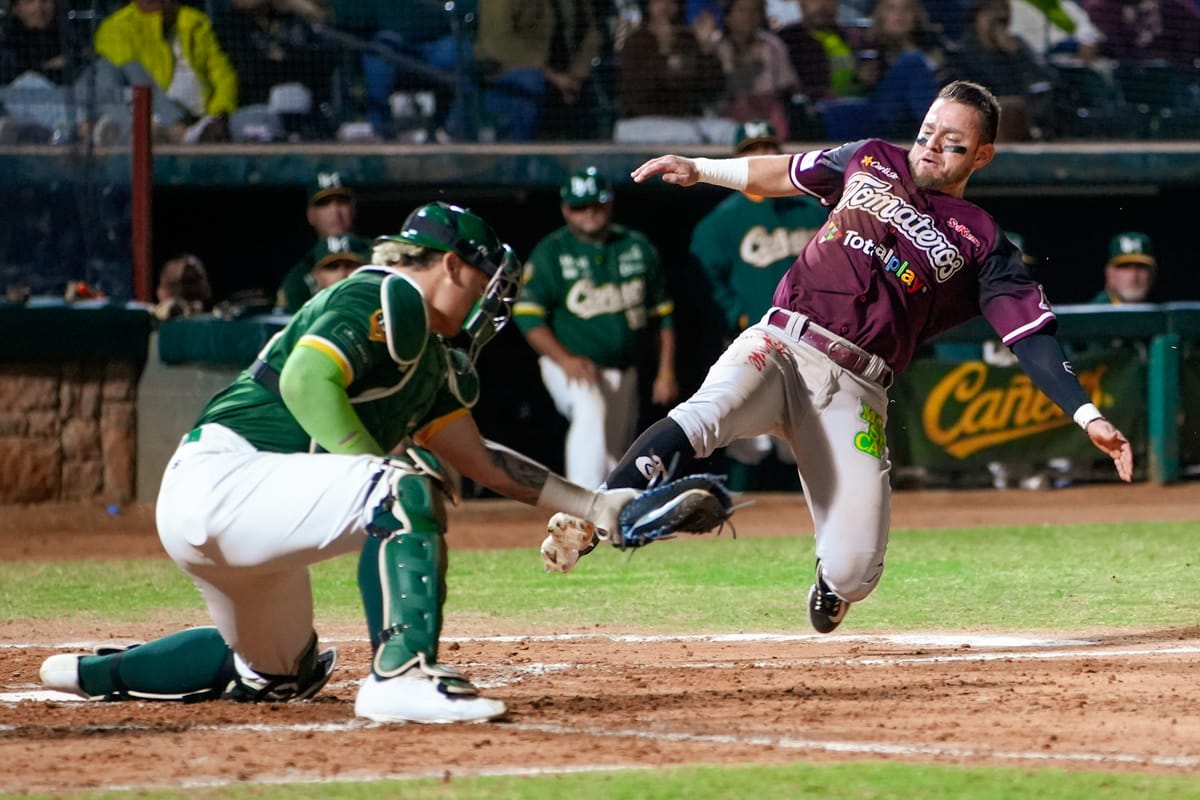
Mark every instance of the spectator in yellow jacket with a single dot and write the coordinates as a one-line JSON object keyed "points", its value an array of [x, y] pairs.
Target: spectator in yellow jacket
{"points": [[173, 46]]}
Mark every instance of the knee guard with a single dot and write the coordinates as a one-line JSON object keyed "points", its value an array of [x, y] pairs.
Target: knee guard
{"points": [[402, 568]]}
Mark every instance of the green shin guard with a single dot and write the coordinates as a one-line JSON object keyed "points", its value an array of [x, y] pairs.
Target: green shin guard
{"points": [[402, 578], [190, 665]]}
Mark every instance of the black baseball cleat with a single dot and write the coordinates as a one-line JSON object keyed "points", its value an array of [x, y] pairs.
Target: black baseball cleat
{"points": [[825, 609]]}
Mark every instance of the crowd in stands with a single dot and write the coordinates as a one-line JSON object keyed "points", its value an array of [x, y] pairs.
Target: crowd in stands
{"points": [[644, 71]]}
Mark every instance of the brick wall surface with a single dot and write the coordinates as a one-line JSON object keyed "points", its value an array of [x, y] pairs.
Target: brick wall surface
{"points": [[67, 432]]}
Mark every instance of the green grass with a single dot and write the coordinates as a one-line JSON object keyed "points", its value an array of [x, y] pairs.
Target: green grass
{"points": [[843, 781], [1000, 579], [996, 578]]}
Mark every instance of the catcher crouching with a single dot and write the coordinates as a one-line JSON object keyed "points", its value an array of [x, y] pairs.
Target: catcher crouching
{"points": [[333, 441]]}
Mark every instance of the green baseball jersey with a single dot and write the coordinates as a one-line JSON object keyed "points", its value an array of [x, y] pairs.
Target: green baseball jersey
{"points": [[596, 298], [373, 323], [299, 284], [746, 244]]}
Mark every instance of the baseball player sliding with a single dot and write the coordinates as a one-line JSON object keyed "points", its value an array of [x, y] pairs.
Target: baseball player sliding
{"points": [[901, 258], [286, 467]]}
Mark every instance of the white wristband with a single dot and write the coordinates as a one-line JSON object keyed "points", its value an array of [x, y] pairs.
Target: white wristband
{"points": [[1087, 413], [732, 173], [562, 495]]}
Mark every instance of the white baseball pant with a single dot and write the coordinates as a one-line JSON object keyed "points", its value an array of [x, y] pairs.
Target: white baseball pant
{"points": [[245, 525], [768, 383], [601, 419]]}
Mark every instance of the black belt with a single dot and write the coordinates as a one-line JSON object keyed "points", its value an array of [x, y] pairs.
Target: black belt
{"points": [[265, 375], [839, 350]]}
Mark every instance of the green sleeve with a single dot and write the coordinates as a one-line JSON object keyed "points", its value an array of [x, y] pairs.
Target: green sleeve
{"points": [[658, 296], [714, 258], [311, 387], [537, 298]]}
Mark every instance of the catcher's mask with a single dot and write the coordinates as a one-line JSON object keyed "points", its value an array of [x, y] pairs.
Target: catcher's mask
{"points": [[453, 229]]}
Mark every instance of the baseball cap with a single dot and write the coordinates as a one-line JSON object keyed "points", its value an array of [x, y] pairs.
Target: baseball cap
{"points": [[333, 249], [325, 185], [585, 187], [1131, 247], [755, 131]]}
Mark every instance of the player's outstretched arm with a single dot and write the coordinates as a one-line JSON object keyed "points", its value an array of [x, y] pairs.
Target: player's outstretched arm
{"points": [[673, 169], [460, 444], [767, 176], [1114, 444]]}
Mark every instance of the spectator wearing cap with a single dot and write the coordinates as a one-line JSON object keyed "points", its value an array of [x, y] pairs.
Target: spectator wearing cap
{"points": [[592, 290], [331, 210], [1130, 271], [743, 247]]}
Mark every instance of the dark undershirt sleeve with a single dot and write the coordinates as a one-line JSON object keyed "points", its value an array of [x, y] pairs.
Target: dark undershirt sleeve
{"points": [[1046, 364]]}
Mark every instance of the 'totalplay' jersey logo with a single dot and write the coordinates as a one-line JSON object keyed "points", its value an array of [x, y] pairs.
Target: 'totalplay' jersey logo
{"points": [[887, 256], [870, 194]]}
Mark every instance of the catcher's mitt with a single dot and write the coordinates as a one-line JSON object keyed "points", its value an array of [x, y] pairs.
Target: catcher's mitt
{"points": [[693, 504]]}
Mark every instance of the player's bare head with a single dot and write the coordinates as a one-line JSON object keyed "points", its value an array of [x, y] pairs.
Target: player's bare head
{"points": [[955, 139], [979, 98]]}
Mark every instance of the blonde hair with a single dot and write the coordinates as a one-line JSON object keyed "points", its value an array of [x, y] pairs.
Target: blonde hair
{"points": [[388, 253]]}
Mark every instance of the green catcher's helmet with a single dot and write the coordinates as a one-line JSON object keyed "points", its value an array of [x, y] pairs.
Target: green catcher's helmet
{"points": [[454, 229]]}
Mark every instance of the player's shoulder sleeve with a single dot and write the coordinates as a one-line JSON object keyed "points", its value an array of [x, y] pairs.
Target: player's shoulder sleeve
{"points": [[367, 319], [540, 279], [821, 173], [1011, 300]]}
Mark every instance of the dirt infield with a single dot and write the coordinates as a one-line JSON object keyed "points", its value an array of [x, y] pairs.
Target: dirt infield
{"points": [[1096, 700]]}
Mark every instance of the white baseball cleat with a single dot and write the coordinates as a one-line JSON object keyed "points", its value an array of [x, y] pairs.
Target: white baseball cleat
{"points": [[419, 698], [61, 673]]}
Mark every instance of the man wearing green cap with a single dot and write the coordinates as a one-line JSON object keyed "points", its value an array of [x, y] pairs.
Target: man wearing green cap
{"points": [[332, 442], [744, 246], [592, 289], [331, 209], [1130, 271]]}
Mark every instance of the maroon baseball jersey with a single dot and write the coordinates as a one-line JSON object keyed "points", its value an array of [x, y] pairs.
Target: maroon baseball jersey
{"points": [[895, 265]]}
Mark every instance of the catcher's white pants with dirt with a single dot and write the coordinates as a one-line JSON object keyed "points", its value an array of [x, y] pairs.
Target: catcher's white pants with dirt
{"points": [[768, 383], [245, 525], [601, 419]]}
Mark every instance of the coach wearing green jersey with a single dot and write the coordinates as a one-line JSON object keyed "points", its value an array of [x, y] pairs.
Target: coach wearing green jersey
{"points": [[744, 246], [331, 442], [591, 290]]}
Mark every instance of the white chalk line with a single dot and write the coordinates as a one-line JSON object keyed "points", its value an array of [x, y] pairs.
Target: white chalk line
{"points": [[1078, 648], [514, 674], [905, 639], [866, 748]]}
